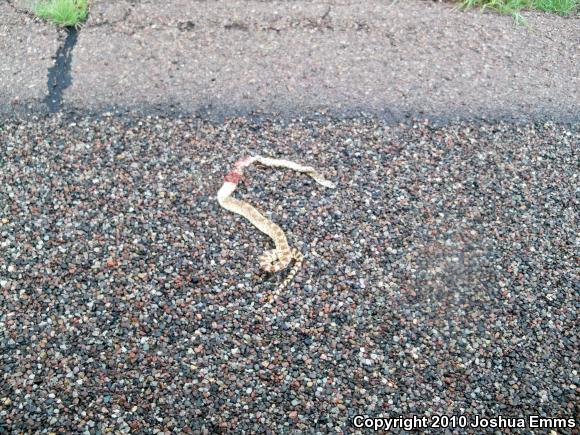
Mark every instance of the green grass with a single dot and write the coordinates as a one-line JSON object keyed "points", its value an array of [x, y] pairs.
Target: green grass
{"points": [[513, 7], [63, 12]]}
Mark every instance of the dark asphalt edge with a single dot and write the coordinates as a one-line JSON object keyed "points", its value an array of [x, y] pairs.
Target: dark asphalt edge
{"points": [[36, 110]]}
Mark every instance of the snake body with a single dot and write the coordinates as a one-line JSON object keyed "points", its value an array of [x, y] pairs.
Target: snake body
{"points": [[277, 259]]}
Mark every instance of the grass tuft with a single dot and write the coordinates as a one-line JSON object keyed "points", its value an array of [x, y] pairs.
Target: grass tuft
{"points": [[63, 12], [513, 7]]}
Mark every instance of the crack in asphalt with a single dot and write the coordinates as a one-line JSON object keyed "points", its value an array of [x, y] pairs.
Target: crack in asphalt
{"points": [[59, 75], [21, 11]]}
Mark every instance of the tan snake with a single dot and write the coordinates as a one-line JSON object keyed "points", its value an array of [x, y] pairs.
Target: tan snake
{"points": [[281, 256]]}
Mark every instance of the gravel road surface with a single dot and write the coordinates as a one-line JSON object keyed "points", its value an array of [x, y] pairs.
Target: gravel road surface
{"points": [[441, 276]]}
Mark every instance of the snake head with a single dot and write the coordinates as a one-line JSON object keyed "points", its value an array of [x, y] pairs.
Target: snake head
{"points": [[270, 262]]}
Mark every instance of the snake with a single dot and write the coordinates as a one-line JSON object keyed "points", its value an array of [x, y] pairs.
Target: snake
{"points": [[279, 258]]}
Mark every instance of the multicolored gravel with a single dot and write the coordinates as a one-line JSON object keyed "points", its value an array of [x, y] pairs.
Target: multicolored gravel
{"points": [[441, 276]]}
